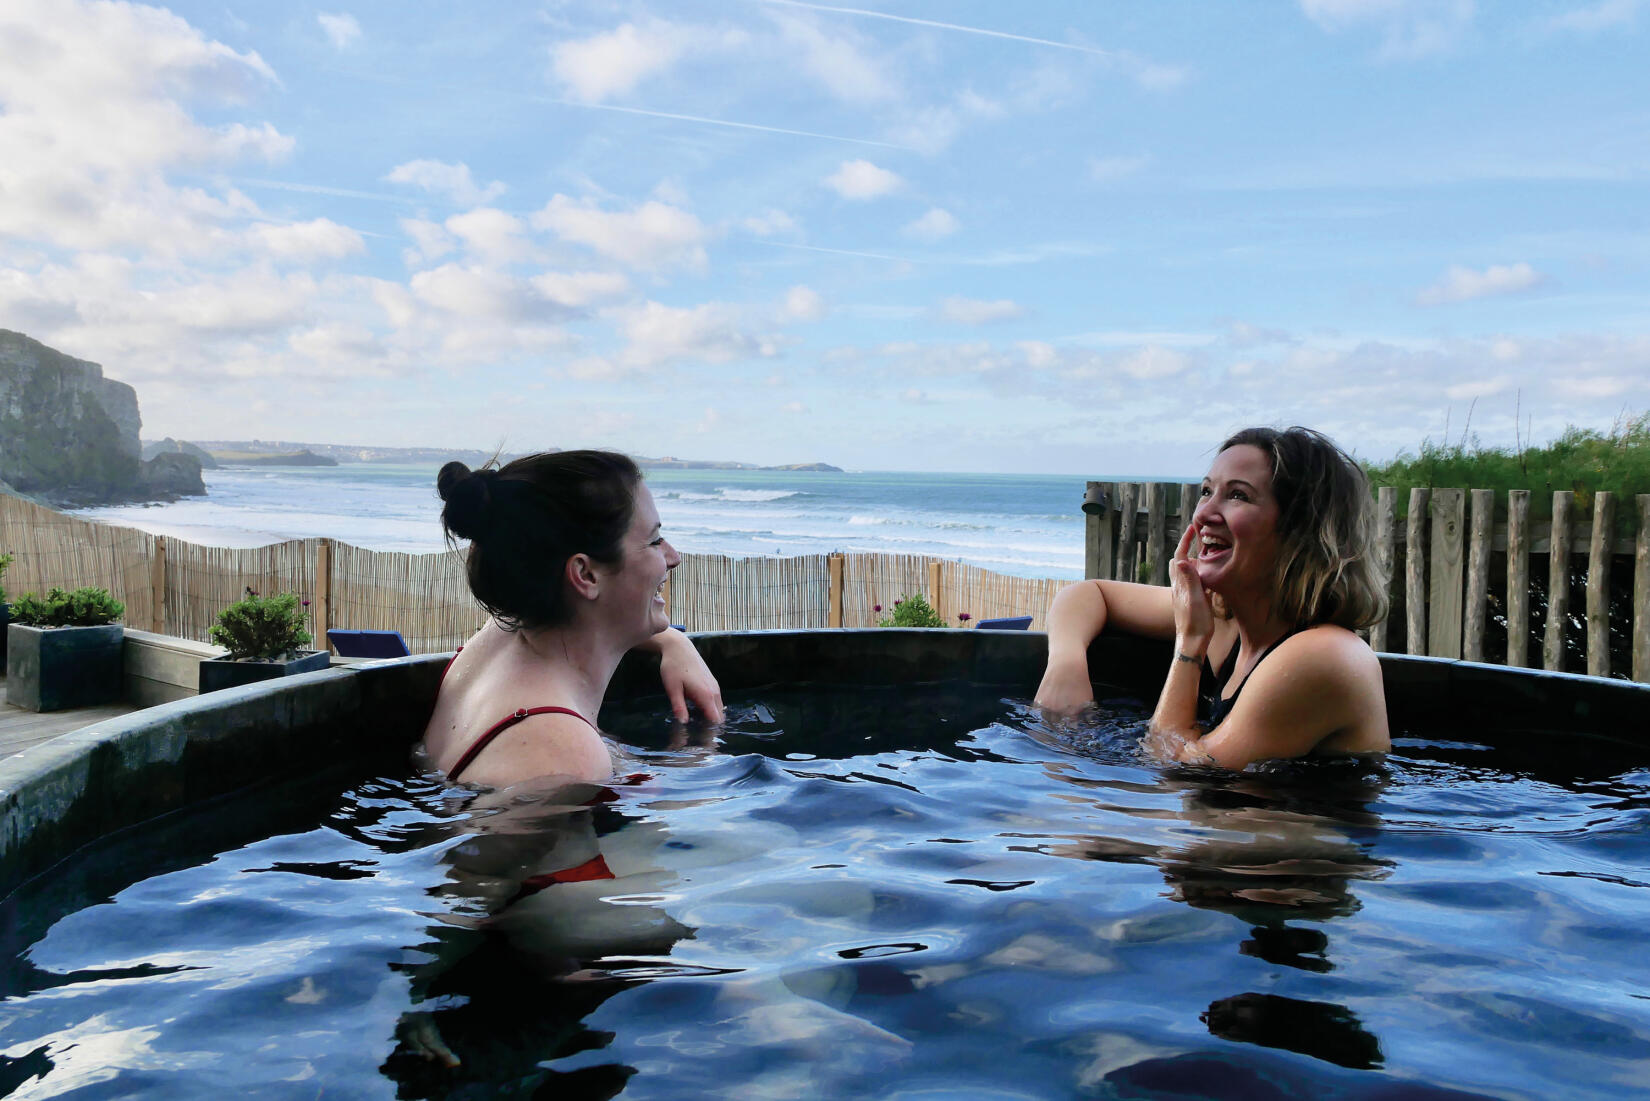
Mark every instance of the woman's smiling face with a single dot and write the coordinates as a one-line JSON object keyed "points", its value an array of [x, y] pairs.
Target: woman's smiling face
{"points": [[648, 560], [1237, 522]]}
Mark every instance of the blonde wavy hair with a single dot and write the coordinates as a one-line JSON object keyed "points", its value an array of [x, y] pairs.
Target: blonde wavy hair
{"points": [[1327, 571]]}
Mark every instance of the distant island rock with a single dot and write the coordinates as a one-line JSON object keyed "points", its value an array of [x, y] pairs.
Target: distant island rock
{"points": [[169, 446], [303, 457], [69, 436], [283, 452]]}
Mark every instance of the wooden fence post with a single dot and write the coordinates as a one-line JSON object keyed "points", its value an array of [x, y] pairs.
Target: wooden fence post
{"points": [[1099, 528], [157, 587], [1641, 593], [935, 576], [1415, 572], [1386, 526], [1478, 573], [1518, 577], [1157, 548], [1448, 536], [1128, 511], [1599, 560], [833, 615], [322, 604], [1558, 580]]}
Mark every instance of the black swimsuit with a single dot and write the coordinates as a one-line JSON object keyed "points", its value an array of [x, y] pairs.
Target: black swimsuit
{"points": [[1212, 710]]}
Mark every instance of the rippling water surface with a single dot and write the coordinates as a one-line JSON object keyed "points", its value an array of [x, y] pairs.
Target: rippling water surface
{"points": [[878, 893]]}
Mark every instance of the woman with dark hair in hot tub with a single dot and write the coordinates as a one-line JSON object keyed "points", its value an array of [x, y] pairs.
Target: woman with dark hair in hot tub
{"points": [[567, 558], [1269, 583]]}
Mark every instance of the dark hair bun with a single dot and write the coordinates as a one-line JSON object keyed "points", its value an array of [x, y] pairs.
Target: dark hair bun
{"points": [[468, 494]]}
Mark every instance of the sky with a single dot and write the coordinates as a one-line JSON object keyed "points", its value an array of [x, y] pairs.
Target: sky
{"points": [[1053, 237]]}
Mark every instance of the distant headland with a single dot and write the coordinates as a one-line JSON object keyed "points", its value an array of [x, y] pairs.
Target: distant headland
{"points": [[289, 453]]}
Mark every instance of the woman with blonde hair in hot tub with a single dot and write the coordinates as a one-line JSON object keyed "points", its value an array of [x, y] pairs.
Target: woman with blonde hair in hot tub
{"points": [[1269, 582]]}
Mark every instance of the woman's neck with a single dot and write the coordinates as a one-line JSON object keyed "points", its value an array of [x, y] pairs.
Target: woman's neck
{"points": [[576, 661], [1258, 624]]}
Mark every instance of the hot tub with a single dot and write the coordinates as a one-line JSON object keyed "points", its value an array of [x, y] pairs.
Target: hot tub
{"points": [[891, 880]]}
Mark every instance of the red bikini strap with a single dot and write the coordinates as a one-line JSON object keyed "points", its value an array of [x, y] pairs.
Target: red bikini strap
{"points": [[504, 724]]}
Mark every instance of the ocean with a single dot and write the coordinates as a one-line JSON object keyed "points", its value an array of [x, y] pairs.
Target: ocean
{"points": [[1024, 525]]}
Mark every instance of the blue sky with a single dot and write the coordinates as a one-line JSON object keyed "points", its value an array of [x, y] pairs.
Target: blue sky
{"points": [[1085, 238]]}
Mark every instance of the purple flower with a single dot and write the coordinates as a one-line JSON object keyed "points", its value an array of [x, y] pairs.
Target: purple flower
{"points": [[876, 607], [964, 616], [305, 603], [897, 603]]}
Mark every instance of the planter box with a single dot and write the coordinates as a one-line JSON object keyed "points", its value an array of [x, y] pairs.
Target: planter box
{"points": [[57, 668], [5, 621], [222, 673]]}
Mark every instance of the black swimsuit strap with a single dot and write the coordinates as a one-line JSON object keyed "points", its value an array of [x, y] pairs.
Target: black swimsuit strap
{"points": [[1221, 707]]}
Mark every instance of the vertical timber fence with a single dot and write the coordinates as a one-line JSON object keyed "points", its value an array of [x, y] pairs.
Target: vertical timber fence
{"points": [[1473, 575]]}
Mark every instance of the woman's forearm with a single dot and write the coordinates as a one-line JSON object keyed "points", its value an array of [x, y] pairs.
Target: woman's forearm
{"points": [[1175, 734]]}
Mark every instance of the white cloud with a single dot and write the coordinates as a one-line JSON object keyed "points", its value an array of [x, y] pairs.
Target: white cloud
{"points": [[973, 311], [652, 236], [1461, 284], [95, 110], [860, 179], [1408, 28], [1155, 362], [491, 235], [839, 62], [1477, 388], [1597, 17], [440, 178], [804, 304], [656, 335], [1106, 169], [932, 226], [431, 241], [612, 64], [771, 223], [342, 29], [581, 288], [1597, 386], [795, 408], [319, 239], [478, 292]]}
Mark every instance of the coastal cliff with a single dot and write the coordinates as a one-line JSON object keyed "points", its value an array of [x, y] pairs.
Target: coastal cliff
{"points": [[70, 436]]}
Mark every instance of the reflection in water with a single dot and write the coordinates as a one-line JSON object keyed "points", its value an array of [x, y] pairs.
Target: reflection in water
{"points": [[1319, 1029]]}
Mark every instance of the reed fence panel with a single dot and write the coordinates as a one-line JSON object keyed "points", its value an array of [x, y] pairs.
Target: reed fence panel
{"points": [[712, 592], [54, 550], [424, 596]]}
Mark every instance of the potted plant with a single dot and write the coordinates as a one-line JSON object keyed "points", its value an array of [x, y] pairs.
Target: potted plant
{"points": [[65, 650], [265, 638], [911, 611]]}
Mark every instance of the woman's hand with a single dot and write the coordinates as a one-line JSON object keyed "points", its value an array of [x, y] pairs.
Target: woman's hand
{"points": [[687, 678], [1194, 614]]}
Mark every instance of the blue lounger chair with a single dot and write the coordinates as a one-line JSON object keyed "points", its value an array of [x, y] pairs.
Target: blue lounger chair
{"points": [[368, 644], [1008, 623]]}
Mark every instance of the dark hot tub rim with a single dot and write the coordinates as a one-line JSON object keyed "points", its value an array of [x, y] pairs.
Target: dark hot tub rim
{"points": [[66, 793]]}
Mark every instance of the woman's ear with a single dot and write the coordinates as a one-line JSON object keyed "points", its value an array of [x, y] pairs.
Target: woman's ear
{"points": [[583, 576]]}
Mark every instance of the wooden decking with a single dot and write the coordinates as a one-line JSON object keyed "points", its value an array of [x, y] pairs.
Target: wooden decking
{"points": [[20, 729]]}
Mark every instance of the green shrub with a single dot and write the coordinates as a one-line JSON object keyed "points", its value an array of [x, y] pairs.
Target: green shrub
{"points": [[261, 628], [5, 560], [912, 611], [85, 607]]}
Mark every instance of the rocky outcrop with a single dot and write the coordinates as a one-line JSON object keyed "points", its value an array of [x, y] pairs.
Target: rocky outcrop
{"points": [[172, 474], [67, 434], [169, 446]]}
